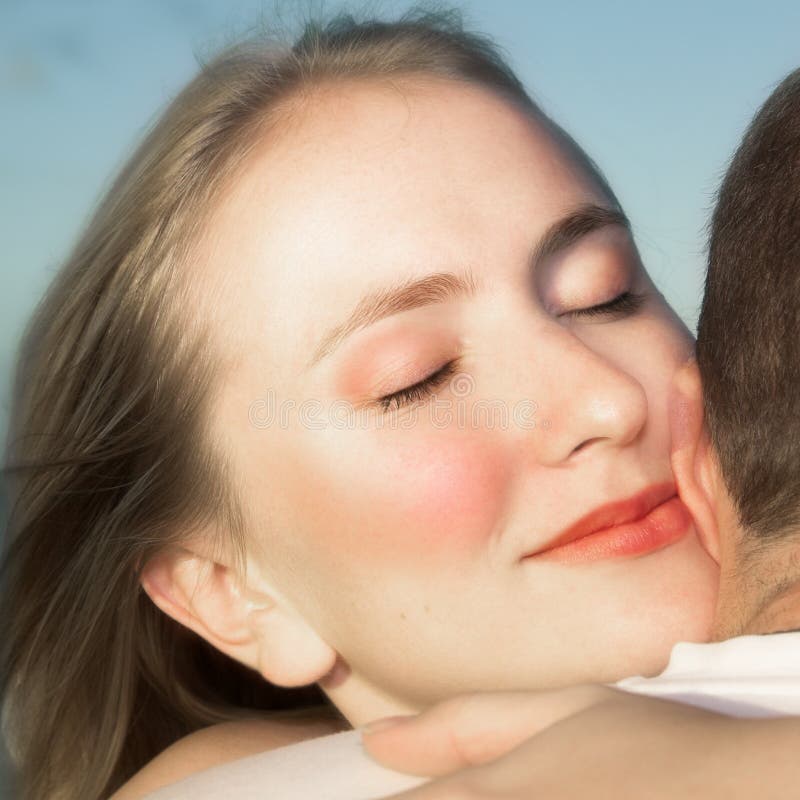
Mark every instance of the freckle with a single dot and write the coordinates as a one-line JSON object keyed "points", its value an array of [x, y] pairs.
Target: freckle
{"points": [[427, 609], [402, 615]]}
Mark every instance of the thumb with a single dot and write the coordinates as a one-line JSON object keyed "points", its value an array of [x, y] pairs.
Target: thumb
{"points": [[472, 729]]}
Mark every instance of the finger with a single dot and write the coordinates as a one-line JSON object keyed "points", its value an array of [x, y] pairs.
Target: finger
{"points": [[472, 729]]}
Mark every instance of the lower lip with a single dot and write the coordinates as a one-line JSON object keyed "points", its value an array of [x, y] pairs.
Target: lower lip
{"points": [[660, 527]]}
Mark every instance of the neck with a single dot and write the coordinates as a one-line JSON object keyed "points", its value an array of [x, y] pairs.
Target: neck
{"points": [[759, 587], [781, 613], [358, 700]]}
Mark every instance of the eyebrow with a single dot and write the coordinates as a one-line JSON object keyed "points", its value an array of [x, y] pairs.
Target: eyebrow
{"points": [[439, 287]]}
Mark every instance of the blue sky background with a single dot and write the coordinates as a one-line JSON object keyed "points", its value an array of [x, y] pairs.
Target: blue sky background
{"points": [[658, 94]]}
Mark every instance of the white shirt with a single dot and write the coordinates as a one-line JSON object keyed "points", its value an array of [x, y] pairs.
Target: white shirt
{"points": [[749, 676], [744, 677]]}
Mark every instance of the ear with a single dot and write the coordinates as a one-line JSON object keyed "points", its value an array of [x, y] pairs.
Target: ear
{"points": [[691, 455], [253, 625]]}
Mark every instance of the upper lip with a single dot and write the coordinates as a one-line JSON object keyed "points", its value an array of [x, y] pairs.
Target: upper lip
{"points": [[611, 514]]}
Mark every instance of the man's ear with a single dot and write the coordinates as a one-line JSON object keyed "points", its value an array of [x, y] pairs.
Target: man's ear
{"points": [[255, 626], [691, 454]]}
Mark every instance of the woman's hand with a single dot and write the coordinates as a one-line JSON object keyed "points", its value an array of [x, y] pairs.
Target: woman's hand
{"points": [[588, 742], [472, 729]]}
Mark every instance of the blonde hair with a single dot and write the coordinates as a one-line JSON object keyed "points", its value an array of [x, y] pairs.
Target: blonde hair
{"points": [[110, 456]]}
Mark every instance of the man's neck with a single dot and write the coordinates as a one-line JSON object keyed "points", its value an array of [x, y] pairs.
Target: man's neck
{"points": [[780, 614], [759, 587]]}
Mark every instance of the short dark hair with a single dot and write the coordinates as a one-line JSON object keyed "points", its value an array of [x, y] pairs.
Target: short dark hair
{"points": [[748, 337]]}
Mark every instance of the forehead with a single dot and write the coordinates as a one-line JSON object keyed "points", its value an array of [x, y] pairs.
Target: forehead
{"points": [[369, 183]]}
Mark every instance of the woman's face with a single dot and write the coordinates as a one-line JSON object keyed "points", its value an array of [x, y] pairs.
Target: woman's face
{"points": [[397, 530]]}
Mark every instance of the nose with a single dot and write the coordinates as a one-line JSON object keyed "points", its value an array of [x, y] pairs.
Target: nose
{"points": [[585, 401]]}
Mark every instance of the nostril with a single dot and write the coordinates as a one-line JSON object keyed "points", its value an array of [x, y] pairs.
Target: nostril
{"points": [[586, 443]]}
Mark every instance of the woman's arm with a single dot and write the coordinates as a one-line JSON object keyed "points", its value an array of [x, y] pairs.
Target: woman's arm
{"points": [[219, 744]]}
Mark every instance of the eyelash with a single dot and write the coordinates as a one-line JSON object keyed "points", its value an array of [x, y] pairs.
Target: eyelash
{"points": [[623, 305], [421, 389]]}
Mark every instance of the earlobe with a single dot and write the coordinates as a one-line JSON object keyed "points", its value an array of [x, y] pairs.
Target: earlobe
{"points": [[690, 454], [253, 626], [292, 653]]}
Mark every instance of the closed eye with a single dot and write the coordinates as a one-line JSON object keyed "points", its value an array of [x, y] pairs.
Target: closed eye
{"points": [[419, 390], [623, 305]]}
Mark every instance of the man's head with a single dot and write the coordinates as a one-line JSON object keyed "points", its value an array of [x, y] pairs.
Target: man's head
{"points": [[740, 475]]}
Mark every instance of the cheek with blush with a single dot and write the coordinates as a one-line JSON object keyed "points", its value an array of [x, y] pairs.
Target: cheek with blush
{"points": [[431, 496]]}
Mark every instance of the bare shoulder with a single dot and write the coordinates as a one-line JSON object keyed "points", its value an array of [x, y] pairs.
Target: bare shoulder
{"points": [[221, 743]]}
